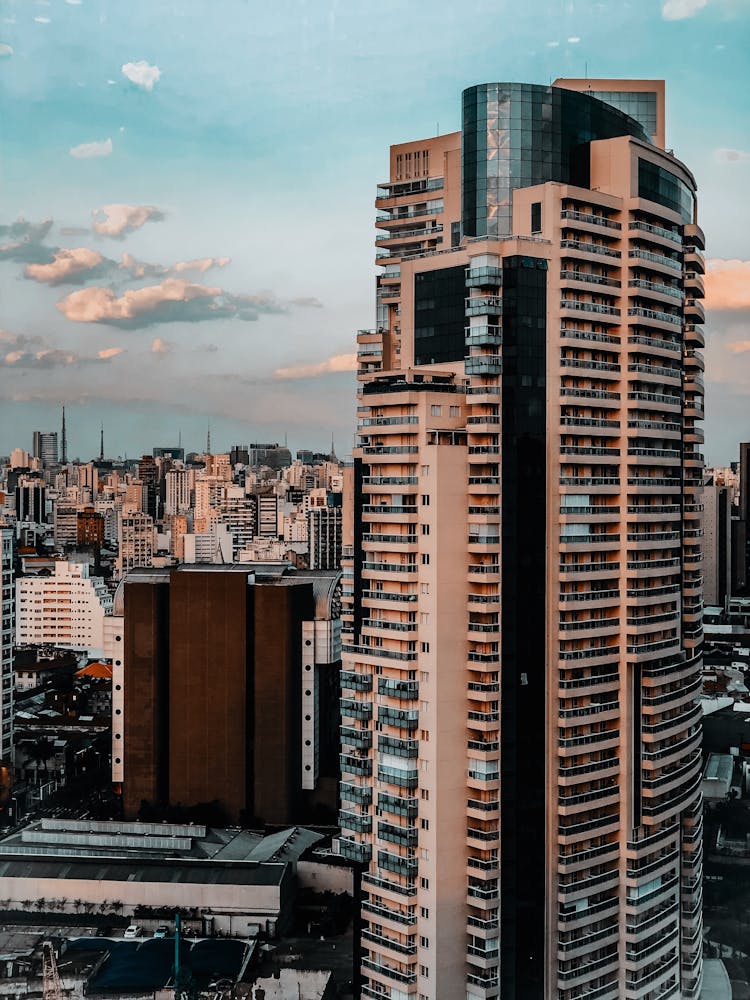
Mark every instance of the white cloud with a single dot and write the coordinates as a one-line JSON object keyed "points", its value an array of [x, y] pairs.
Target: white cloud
{"points": [[74, 3], [678, 10], [731, 155], [142, 74], [117, 220], [552, 45], [5, 50], [574, 40], [42, 20], [336, 363], [30, 352], [65, 266], [89, 150]]}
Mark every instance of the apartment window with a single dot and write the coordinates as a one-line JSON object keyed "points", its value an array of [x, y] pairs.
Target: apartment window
{"points": [[455, 411], [424, 971], [425, 558], [423, 676], [435, 410], [425, 529], [424, 883], [425, 647], [425, 470], [425, 499], [424, 824], [424, 794], [424, 912], [399, 166], [424, 735], [425, 588], [424, 854], [536, 217]]}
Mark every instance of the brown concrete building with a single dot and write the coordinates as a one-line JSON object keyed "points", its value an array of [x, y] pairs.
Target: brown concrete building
{"points": [[521, 757], [90, 528], [230, 678]]}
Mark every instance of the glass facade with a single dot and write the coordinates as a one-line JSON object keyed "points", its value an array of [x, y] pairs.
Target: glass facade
{"points": [[665, 188], [439, 316], [516, 135], [640, 105]]}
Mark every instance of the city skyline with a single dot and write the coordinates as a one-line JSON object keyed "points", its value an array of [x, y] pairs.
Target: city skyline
{"points": [[214, 296]]}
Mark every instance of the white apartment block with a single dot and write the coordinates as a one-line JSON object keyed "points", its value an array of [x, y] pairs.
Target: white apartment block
{"points": [[65, 610], [136, 535]]}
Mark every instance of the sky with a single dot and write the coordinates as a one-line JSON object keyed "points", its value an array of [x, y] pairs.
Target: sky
{"points": [[187, 186]]}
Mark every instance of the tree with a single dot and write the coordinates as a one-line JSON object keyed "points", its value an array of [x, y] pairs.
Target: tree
{"points": [[40, 752]]}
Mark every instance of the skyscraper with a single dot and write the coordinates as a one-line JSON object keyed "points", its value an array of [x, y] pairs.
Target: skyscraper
{"points": [[521, 735], [7, 631], [44, 447]]}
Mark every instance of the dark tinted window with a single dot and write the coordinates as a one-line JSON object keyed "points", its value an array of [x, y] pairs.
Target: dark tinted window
{"points": [[665, 188], [439, 316]]}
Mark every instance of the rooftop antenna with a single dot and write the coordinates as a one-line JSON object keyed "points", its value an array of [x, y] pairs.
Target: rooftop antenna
{"points": [[208, 439], [101, 443], [179, 438], [64, 440]]}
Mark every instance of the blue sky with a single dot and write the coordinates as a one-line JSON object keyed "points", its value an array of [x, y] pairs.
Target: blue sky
{"points": [[258, 133]]}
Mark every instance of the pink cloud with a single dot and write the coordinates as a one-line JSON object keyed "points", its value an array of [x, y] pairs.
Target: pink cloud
{"points": [[65, 265], [336, 363], [728, 284]]}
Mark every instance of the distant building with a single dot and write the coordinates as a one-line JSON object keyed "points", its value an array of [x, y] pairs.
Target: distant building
{"points": [[31, 501], [230, 679], [65, 520], [66, 610], [324, 537], [136, 538], [90, 528], [45, 447], [177, 491], [148, 473], [177, 454], [717, 544]]}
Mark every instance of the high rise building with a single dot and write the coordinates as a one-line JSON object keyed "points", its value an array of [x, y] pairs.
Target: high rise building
{"points": [[66, 610], [324, 537], [7, 630], [31, 502], [717, 544], [230, 680], [521, 734], [177, 500], [148, 473], [45, 447], [135, 532]]}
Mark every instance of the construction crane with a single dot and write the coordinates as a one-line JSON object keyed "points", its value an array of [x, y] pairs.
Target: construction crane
{"points": [[51, 984]]}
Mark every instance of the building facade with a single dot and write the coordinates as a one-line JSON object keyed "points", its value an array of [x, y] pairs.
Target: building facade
{"points": [[522, 580], [7, 630], [230, 690], [65, 610]]}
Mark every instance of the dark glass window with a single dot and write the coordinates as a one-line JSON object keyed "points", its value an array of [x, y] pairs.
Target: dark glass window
{"points": [[439, 315], [536, 217], [662, 186]]}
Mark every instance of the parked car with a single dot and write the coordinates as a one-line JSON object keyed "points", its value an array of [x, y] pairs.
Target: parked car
{"points": [[133, 931], [161, 931]]}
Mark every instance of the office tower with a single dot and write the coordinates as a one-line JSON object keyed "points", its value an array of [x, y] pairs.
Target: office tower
{"points": [[230, 690], [177, 496], [7, 630], [324, 537], [45, 447], [148, 474], [65, 521], [520, 726], [176, 453], [717, 545], [267, 515], [31, 502], [135, 532]]}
